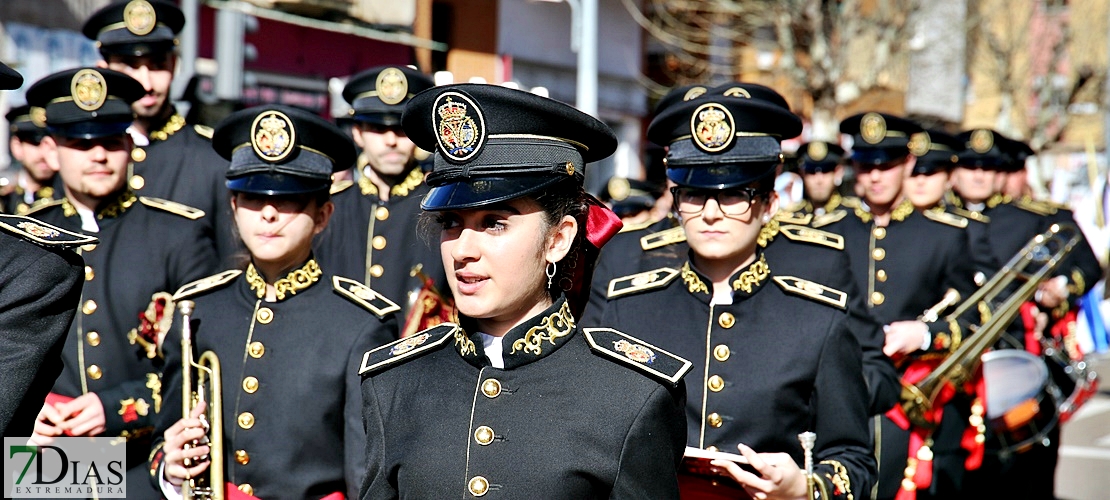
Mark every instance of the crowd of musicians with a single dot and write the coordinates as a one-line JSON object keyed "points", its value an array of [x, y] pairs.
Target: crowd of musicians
{"points": [[390, 322]]}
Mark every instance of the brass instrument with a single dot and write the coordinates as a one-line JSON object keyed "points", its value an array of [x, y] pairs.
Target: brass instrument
{"points": [[1029, 267], [815, 487], [932, 314], [210, 483]]}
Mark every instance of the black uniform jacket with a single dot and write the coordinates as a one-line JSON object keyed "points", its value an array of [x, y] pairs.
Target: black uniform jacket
{"points": [[180, 165], [40, 284], [292, 409], [791, 249], [776, 362], [15, 202], [575, 413], [146, 246], [379, 242]]}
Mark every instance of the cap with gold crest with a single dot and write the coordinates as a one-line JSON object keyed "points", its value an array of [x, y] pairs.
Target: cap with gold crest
{"points": [[717, 141], [989, 150], [935, 151], [494, 144], [277, 150], [817, 157], [879, 138], [135, 27], [378, 95], [27, 123], [86, 103], [679, 94], [10, 79]]}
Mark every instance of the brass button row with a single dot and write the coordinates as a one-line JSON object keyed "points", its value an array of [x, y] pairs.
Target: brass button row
{"points": [[879, 232], [378, 242], [478, 486], [256, 349], [716, 383], [381, 213], [246, 488], [94, 372], [483, 435], [242, 457], [246, 420], [376, 270], [250, 385], [877, 298], [714, 420], [880, 275], [93, 338], [89, 274], [491, 387], [136, 182], [726, 320], [265, 315], [89, 307], [721, 352], [878, 254]]}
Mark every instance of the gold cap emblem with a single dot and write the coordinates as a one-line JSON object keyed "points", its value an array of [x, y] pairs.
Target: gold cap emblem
{"points": [[737, 92], [817, 150], [872, 127], [619, 188], [392, 86], [711, 127], [89, 89], [919, 143], [272, 136], [38, 116], [981, 140], [693, 93], [460, 126], [139, 17]]}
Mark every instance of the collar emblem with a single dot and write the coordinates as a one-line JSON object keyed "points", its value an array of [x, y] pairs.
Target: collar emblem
{"points": [[711, 127], [872, 128], [295, 281], [392, 86], [556, 325], [753, 276], [139, 17], [460, 126], [693, 283], [273, 136], [89, 89]]}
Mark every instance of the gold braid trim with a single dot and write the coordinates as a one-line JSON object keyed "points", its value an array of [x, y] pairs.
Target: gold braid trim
{"points": [[412, 181], [154, 383], [833, 203], [768, 233], [466, 346], [693, 282], [175, 123], [754, 275], [997, 199], [839, 479], [119, 206], [902, 211], [863, 215], [559, 324], [367, 186], [296, 280], [68, 210]]}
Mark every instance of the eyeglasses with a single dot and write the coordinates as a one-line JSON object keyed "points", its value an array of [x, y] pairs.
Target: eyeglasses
{"points": [[691, 201]]}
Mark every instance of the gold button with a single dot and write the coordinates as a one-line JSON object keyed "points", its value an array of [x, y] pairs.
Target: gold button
{"points": [[381, 213], [483, 435], [721, 352], [878, 254], [138, 154], [265, 315], [478, 486], [136, 182], [378, 242], [94, 372], [716, 383], [570, 168], [88, 248], [256, 349], [250, 384], [726, 320], [877, 298], [93, 338], [246, 488], [246, 420], [242, 457], [89, 274], [714, 420], [491, 388], [376, 270], [712, 448], [879, 232], [89, 307], [880, 275]]}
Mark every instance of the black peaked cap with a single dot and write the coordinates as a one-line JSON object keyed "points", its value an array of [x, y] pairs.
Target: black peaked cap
{"points": [[10, 79], [679, 94], [86, 102], [135, 27], [988, 149], [936, 151], [379, 95], [879, 137], [819, 156]]}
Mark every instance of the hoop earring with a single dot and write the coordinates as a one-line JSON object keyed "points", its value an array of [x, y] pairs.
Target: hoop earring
{"points": [[550, 272]]}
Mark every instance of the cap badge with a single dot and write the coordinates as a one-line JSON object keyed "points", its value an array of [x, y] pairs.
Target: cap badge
{"points": [[981, 141], [693, 93], [635, 352], [139, 17], [272, 135], [919, 143], [872, 127], [619, 188], [817, 151], [459, 125], [392, 86], [38, 116], [712, 127], [737, 92], [89, 89]]}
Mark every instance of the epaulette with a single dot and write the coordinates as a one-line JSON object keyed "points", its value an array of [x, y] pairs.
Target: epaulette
{"points": [[364, 296], [641, 281], [205, 284], [946, 218], [408, 348], [630, 351], [172, 207], [663, 238], [828, 218], [203, 131], [1037, 207], [968, 214], [793, 217], [851, 202], [339, 187], [815, 291], [43, 234], [637, 226], [810, 235], [38, 207]]}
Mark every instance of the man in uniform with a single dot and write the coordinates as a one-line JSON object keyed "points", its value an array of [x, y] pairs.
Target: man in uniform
{"points": [[40, 284], [172, 160], [35, 181], [148, 247], [820, 164], [373, 235]]}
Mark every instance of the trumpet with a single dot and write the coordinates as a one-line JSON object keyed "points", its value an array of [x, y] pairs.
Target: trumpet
{"points": [[210, 483], [1029, 267], [815, 487]]}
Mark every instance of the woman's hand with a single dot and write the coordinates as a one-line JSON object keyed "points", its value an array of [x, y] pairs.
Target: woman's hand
{"points": [[780, 477], [181, 433]]}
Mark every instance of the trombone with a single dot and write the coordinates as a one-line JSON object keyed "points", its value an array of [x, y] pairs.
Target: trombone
{"points": [[210, 483]]}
